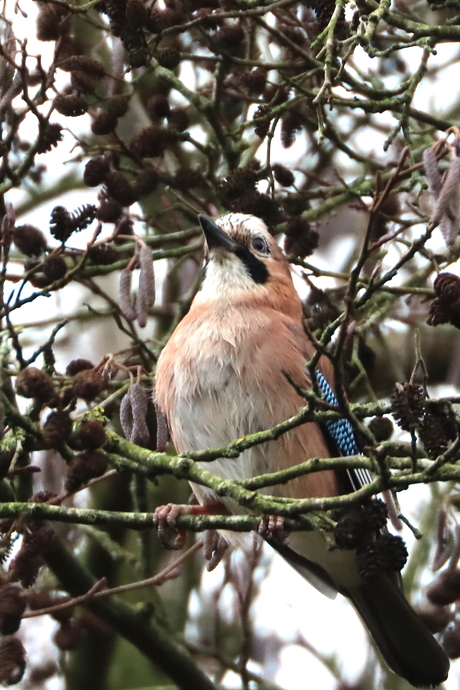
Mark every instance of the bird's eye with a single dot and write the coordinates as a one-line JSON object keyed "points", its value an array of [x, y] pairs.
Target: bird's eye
{"points": [[260, 245]]}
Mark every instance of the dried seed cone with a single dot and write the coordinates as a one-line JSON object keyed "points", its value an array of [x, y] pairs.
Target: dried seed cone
{"points": [[85, 466], [169, 58], [54, 268], [149, 142], [440, 312], [369, 561], [300, 239], [49, 23], [95, 171], [103, 254], [76, 365], [433, 437], [109, 211], [56, 429], [254, 81], [42, 496], [158, 107], [29, 240], [447, 288], [117, 105], [50, 136], [71, 106], [83, 216], [179, 120], [283, 175], [26, 565], [103, 123], [445, 589], [393, 551], [187, 178], [382, 428], [61, 226], [34, 383], [12, 660], [348, 533], [91, 435], [375, 514], [262, 128], [12, 606], [291, 125], [87, 385], [147, 182], [120, 189], [89, 66], [408, 405]]}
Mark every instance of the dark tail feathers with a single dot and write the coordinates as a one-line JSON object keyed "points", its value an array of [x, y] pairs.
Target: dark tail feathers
{"points": [[407, 646]]}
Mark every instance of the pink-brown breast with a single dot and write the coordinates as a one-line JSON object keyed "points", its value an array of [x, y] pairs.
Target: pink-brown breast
{"points": [[222, 376]]}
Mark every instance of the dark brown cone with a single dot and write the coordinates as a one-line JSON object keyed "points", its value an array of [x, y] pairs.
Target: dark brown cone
{"points": [[408, 405], [369, 561], [50, 136], [54, 268], [103, 254], [34, 383], [282, 175], [382, 428], [447, 287], [29, 240], [445, 589], [91, 435], [71, 106], [76, 365], [87, 385], [95, 171], [109, 211], [85, 466], [103, 123], [56, 429], [12, 660], [12, 606]]}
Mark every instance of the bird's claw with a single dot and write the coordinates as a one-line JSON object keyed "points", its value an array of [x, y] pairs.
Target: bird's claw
{"points": [[214, 548], [272, 527], [165, 519]]}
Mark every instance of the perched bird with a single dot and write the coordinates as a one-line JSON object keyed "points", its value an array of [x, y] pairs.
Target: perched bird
{"points": [[225, 373]]}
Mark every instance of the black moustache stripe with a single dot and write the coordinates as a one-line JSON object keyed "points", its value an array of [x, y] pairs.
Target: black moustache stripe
{"points": [[254, 266]]}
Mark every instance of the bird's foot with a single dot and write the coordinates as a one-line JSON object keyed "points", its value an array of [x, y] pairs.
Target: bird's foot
{"points": [[165, 520], [172, 538], [272, 527], [214, 548]]}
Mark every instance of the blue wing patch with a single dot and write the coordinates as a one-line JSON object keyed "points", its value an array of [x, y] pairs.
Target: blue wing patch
{"points": [[342, 435]]}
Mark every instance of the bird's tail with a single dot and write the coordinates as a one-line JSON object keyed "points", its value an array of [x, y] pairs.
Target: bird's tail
{"points": [[407, 646]]}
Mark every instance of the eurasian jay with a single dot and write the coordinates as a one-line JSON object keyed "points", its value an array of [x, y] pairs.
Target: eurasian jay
{"points": [[227, 371]]}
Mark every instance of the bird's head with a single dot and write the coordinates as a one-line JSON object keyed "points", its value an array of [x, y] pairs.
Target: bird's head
{"points": [[243, 261]]}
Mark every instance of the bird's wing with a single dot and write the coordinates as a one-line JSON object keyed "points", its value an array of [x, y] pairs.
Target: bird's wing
{"points": [[341, 434]]}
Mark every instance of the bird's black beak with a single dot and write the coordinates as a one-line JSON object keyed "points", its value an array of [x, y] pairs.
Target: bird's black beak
{"points": [[215, 237]]}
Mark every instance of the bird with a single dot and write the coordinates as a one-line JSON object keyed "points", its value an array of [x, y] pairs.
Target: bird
{"points": [[227, 371]]}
